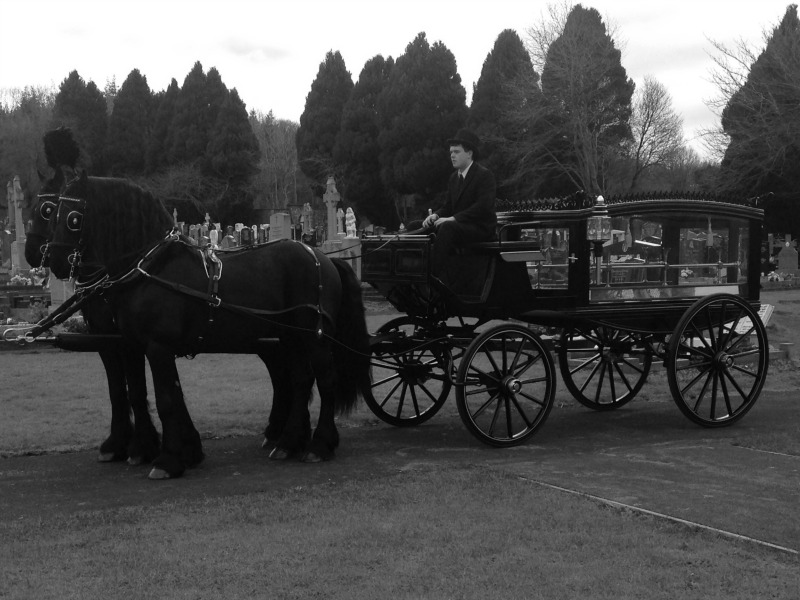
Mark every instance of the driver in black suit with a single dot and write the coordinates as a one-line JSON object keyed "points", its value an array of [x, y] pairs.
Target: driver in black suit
{"points": [[468, 215]]}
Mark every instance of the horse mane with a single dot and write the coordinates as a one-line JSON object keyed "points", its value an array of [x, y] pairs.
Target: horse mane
{"points": [[122, 219]]}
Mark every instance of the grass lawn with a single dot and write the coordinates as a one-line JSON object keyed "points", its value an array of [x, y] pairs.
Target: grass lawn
{"points": [[424, 532], [427, 533]]}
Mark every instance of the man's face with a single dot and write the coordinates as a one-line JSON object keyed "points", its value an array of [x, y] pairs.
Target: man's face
{"points": [[460, 157]]}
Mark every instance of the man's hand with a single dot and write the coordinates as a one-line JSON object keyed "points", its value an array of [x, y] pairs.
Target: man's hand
{"points": [[430, 220]]}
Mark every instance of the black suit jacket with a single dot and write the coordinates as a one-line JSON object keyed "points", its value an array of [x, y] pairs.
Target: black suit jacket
{"points": [[475, 205]]}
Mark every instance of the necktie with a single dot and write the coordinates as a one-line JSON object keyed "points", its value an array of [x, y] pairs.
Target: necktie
{"points": [[460, 183]]}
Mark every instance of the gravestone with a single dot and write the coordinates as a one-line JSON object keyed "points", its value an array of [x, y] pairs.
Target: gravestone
{"points": [[15, 199], [280, 226], [787, 257], [246, 236]]}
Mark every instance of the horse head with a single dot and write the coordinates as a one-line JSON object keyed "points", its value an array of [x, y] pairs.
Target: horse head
{"points": [[104, 223], [38, 235], [61, 151], [66, 228]]}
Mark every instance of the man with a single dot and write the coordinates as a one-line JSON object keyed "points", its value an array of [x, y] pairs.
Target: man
{"points": [[468, 214]]}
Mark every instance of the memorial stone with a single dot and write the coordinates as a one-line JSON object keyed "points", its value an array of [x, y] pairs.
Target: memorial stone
{"points": [[787, 257], [280, 227]]}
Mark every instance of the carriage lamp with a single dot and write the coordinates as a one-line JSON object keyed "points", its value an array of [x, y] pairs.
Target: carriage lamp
{"points": [[598, 231]]}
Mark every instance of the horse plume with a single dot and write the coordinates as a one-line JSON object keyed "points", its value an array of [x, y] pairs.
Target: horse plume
{"points": [[60, 148]]}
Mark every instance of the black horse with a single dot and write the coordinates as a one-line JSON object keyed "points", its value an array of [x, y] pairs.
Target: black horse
{"points": [[174, 298], [137, 439]]}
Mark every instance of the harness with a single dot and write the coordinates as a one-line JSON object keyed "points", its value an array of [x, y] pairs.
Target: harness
{"points": [[213, 267], [99, 281]]}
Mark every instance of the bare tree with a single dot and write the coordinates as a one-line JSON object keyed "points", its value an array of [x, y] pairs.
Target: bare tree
{"points": [[277, 177], [657, 130], [731, 68]]}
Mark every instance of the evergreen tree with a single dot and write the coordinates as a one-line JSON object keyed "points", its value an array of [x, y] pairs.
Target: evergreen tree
{"points": [[129, 127], [187, 136], [164, 109], [422, 105], [762, 119], [233, 148], [508, 84], [356, 150], [322, 118], [233, 158], [82, 107], [588, 105]]}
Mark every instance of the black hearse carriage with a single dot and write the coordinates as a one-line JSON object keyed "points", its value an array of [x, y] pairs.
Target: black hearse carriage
{"points": [[605, 287]]}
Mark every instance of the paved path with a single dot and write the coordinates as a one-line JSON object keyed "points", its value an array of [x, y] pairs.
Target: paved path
{"points": [[645, 455]]}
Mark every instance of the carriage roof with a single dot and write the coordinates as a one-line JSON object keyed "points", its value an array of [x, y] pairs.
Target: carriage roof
{"points": [[580, 206]]}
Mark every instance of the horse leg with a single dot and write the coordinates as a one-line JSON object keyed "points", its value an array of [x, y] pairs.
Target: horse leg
{"points": [[277, 366], [115, 446], [145, 443], [326, 436], [181, 446], [298, 381]]}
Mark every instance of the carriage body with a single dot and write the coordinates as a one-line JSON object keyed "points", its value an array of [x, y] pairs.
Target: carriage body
{"points": [[663, 254], [664, 277]]}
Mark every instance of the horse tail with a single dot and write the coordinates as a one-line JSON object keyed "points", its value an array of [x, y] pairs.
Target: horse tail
{"points": [[351, 350]]}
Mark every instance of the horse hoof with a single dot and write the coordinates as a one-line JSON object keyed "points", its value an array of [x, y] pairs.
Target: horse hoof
{"points": [[312, 457], [135, 461], [106, 457], [158, 474], [278, 454]]}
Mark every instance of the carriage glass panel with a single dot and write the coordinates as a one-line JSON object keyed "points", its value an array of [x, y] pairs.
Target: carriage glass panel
{"points": [[669, 255], [552, 241]]}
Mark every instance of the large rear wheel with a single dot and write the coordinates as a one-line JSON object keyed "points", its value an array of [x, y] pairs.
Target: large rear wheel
{"points": [[603, 367], [717, 360]]}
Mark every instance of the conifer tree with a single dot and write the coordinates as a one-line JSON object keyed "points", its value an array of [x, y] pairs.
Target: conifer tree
{"points": [[356, 150], [322, 118], [422, 105], [233, 148], [129, 127], [508, 83], [82, 107], [762, 119], [588, 105], [164, 111]]}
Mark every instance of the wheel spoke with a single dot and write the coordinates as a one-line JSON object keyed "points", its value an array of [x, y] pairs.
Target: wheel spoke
{"points": [[591, 375], [736, 385], [402, 400], [726, 396]]}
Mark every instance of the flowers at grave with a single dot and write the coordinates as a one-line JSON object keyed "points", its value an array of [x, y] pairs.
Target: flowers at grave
{"points": [[38, 275], [777, 276], [686, 273], [20, 280]]}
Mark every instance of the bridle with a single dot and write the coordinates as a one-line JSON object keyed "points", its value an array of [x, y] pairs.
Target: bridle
{"points": [[46, 205], [74, 223]]}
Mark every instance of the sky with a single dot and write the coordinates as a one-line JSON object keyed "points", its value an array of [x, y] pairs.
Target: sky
{"points": [[271, 50]]}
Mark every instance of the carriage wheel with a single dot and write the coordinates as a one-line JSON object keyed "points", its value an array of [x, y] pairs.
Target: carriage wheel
{"points": [[603, 367], [507, 385], [409, 385], [717, 360]]}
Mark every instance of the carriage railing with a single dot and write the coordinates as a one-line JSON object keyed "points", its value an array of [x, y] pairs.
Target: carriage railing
{"points": [[623, 273]]}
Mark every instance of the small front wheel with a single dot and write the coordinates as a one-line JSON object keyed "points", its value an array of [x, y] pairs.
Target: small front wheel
{"points": [[411, 374], [506, 385]]}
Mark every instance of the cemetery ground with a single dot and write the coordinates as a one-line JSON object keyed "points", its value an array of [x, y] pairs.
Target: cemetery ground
{"points": [[636, 503]]}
